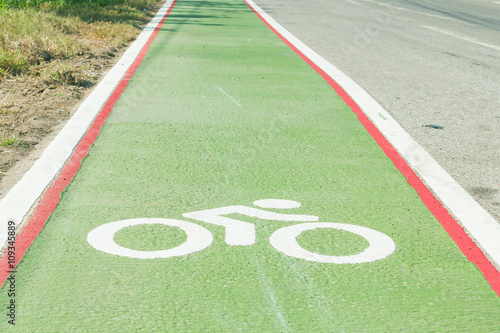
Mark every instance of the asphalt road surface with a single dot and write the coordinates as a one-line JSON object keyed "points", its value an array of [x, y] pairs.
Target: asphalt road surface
{"points": [[428, 63]]}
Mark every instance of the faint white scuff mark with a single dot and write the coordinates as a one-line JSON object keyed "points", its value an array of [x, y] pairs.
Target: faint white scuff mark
{"points": [[274, 303], [231, 97]]}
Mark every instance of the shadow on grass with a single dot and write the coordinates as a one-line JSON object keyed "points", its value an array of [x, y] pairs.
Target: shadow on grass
{"points": [[134, 12], [219, 4], [113, 14]]}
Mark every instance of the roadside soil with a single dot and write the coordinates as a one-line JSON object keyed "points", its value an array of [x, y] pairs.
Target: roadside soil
{"points": [[32, 107]]}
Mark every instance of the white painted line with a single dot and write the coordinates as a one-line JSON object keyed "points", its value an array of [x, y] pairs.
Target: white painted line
{"points": [[465, 38], [18, 202], [480, 225], [394, 9], [354, 2]]}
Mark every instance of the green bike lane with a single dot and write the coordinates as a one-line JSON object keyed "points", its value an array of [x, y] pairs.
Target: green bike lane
{"points": [[221, 112]]}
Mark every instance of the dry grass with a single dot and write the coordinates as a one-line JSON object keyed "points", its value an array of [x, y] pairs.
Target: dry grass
{"points": [[58, 73], [33, 36], [51, 53]]}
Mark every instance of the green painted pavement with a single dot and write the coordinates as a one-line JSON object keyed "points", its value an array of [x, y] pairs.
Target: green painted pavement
{"points": [[221, 112]]}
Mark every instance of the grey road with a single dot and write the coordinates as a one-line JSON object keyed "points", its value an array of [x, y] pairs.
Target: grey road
{"points": [[427, 62]]}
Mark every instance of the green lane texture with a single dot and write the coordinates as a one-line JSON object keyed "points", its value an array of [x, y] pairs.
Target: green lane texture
{"points": [[221, 112]]}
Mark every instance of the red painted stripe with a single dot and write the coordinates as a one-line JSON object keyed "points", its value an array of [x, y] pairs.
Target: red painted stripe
{"points": [[50, 199], [456, 232]]}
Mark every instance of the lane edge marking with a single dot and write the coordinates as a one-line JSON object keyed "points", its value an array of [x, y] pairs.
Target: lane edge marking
{"points": [[62, 158], [461, 37], [476, 232]]}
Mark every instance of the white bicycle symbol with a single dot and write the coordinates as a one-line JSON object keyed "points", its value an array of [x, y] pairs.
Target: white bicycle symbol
{"points": [[243, 233]]}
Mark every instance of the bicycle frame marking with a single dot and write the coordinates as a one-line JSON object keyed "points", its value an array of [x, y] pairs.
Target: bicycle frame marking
{"points": [[243, 233]]}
